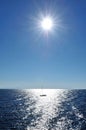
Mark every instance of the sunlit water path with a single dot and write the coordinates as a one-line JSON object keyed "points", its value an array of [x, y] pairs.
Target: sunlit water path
{"points": [[27, 110]]}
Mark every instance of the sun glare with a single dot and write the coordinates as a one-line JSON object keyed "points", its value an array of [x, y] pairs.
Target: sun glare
{"points": [[47, 23]]}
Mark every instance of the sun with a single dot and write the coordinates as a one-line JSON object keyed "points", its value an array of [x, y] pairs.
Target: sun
{"points": [[47, 24]]}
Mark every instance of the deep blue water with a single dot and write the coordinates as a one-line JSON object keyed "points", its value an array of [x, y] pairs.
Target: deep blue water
{"points": [[26, 110]]}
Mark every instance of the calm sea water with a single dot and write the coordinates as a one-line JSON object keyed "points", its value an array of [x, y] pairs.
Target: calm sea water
{"points": [[27, 110]]}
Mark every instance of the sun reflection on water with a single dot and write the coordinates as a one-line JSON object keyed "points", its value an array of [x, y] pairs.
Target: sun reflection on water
{"points": [[45, 106], [58, 110]]}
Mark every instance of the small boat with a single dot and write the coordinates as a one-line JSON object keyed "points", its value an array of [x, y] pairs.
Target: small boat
{"points": [[43, 95]]}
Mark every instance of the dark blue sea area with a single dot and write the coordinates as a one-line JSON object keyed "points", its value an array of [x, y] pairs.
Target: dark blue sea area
{"points": [[27, 110]]}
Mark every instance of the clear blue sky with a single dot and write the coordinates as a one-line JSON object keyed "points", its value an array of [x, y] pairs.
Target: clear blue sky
{"points": [[28, 59]]}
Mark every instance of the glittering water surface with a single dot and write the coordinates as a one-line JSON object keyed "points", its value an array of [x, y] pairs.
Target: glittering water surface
{"points": [[58, 110]]}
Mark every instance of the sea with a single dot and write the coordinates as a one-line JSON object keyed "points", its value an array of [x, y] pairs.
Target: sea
{"points": [[42, 109]]}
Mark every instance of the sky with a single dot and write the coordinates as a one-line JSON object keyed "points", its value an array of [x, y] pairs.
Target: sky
{"points": [[31, 59]]}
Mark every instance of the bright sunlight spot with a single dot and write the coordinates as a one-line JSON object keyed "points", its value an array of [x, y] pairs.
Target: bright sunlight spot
{"points": [[47, 23]]}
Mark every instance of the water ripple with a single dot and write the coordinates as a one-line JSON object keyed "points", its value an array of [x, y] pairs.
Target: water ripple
{"points": [[58, 110]]}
